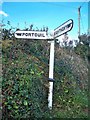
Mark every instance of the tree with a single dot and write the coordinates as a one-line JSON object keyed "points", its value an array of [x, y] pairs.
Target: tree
{"points": [[65, 39], [31, 26], [85, 39]]}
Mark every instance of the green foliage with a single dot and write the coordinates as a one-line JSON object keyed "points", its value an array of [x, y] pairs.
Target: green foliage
{"points": [[22, 84], [25, 85], [25, 80], [82, 50], [69, 98]]}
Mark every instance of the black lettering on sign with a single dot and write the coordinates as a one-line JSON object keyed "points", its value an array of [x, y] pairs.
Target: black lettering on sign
{"points": [[23, 34], [63, 28], [39, 35], [29, 34], [26, 34], [18, 34], [43, 35], [35, 34], [67, 26], [32, 34]]}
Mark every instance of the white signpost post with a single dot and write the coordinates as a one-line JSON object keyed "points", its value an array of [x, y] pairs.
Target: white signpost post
{"points": [[41, 35], [51, 69], [64, 28]]}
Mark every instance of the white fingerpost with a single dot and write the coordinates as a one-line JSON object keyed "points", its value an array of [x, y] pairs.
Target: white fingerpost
{"points": [[51, 69], [42, 35]]}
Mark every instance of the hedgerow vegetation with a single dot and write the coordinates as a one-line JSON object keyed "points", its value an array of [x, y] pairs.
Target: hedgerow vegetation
{"points": [[25, 66]]}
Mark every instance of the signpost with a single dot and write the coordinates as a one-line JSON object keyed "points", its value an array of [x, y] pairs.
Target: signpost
{"points": [[31, 34], [62, 29], [51, 69]]}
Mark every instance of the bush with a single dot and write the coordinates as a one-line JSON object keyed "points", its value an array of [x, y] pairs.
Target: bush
{"points": [[25, 84]]}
